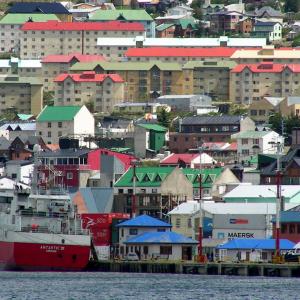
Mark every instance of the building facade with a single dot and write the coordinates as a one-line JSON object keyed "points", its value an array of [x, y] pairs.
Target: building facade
{"points": [[100, 91], [39, 39]]}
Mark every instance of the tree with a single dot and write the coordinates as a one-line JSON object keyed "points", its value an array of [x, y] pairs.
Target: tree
{"points": [[48, 98], [292, 6], [238, 109], [164, 118]]}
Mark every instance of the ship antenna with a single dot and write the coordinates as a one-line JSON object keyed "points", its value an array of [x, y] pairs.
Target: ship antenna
{"points": [[36, 150]]}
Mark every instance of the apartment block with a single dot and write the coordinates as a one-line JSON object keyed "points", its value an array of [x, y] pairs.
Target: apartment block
{"points": [[53, 65], [180, 55], [10, 32], [126, 15], [252, 82], [209, 78], [39, 39], [21, 67], [267, 54], [143, 80], [100, 91], [24, 94]]}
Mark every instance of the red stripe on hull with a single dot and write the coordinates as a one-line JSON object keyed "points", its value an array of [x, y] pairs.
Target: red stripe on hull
{"points": [[43, 257]]}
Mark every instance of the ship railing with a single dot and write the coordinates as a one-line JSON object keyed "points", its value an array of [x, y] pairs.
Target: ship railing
{"points": [[42, 214], [36, 229]]}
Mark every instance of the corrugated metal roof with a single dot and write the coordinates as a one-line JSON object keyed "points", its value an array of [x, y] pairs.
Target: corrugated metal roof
{"points": [[90, 76], [126, 66], [83, 26], [191, 207], [144, 221], [252, 134], [28, 63], [160, 238], [264, 244], [23, 18], [38, 7], [58, 113], [30, 126], [261, 191], [120, 14], [153, 127], [204, 120]]}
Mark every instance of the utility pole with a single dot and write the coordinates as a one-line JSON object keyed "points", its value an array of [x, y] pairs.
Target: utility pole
{"points": [[200, 230], [278, 201], [133, 202]]}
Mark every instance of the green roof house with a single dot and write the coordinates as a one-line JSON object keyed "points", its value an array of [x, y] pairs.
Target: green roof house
{"points": [[250, 143], [163, 185], [129, 15], [10, 29], [56, 121], [148, 139]]}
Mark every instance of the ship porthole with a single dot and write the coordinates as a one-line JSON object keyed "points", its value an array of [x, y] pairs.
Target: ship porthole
{"points": [[63, 241]]}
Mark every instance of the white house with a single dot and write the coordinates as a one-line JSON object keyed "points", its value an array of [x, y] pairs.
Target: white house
{"points": [[19, 170], [56, 121], [252, 142], [152, 238]]}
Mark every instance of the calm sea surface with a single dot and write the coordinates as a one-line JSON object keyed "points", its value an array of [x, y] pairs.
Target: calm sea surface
{"points": [[15, 285]]}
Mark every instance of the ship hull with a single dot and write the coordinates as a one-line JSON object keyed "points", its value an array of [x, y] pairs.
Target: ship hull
{"points": [[43, 257]]}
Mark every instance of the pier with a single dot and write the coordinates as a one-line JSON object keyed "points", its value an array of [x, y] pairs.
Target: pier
{"points": [[234, 269]]}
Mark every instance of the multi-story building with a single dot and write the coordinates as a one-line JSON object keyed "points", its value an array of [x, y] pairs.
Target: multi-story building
{"points": [[39, 39], [115, 48], [270, 30], [252, 82], [57, 121], [181, 55], [23, 94], [193, 131], [22, 67], [143, 80], [10, 26], [54, 65], [27, 7], [209, 77], [250, 143], [100, 91], [267, 54], [126, 15], [225, 21]]}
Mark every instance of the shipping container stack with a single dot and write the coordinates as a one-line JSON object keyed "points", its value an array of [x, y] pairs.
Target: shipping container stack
{"points": [[104, 233]]}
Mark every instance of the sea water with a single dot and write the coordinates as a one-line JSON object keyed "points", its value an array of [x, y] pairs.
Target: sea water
{"points": [[51, 285]]}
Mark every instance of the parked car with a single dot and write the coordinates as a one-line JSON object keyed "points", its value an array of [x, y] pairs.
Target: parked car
{"points": [[132, 256]]}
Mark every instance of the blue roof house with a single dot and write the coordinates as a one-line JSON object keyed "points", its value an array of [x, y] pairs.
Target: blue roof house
{"points": [[151, 238], [254, 250]]}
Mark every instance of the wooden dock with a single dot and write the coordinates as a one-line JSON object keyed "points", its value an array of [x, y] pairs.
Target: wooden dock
{"points": [[234, 269]]}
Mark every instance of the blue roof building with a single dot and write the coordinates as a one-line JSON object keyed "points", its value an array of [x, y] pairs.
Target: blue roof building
{"points": [[160, 238], [151, 238], [144, 221], [254, 250], [38, 7]]}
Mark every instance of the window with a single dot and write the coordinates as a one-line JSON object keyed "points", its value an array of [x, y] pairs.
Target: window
{"points": [[49, 125], [49, 134], [292, 228], [256, 141], [59, 124], [178, 221], [244, 141], [133, 231], [245, 152], [166, 250], [69, 175], [189, 223]]}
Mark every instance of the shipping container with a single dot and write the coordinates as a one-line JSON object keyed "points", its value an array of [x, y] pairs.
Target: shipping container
{"points": [[101, 236], [103, 252], [101, 220]]}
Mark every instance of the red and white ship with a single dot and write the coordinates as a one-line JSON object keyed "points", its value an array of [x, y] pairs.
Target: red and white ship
{"points": [[41, 231]]}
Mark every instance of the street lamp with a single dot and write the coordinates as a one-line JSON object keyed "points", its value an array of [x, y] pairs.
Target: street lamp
{"points": [[134, 164]]}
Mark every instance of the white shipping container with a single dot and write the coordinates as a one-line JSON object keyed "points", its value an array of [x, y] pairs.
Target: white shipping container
{"points": [[103, 252]]}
